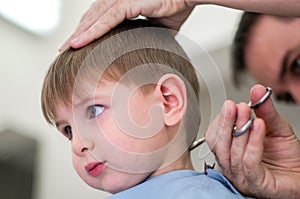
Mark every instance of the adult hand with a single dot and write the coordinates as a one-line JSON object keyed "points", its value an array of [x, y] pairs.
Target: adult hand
{"points": [[103, 15], [265, 161]]}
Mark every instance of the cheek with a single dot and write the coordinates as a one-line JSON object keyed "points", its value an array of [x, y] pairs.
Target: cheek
{"points": [[260, 75], [124, 139], [123, 148], [139, 111], [129, 154], [264, 62], [78, 166]]}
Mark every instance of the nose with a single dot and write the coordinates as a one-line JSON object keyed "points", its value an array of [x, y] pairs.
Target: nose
{"points": [[79, 146]]}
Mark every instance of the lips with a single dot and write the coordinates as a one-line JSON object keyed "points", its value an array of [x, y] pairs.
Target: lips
{"points": [[94, 168]]}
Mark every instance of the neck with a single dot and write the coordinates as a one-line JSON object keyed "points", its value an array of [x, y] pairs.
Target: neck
{"points": [[182, 163]]}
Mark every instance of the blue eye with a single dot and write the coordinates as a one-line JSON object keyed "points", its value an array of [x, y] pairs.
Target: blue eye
{"points": [[68, 132], [95, 110]]}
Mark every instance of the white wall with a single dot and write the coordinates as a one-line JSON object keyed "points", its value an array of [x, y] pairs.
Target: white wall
{"points": [[25, 59]]}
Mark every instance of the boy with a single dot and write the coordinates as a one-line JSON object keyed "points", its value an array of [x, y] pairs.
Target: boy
{"points": [[128, 103]]}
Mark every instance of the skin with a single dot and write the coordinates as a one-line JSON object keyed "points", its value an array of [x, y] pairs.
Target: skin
{"points": [[272, 41], [97, 137]]}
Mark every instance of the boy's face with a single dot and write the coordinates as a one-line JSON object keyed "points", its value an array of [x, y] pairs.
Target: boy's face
{"points": [[118, 135], [273, 56]]}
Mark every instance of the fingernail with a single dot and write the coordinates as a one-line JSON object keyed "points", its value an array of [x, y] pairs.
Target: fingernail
{"points": [[63, 47]]}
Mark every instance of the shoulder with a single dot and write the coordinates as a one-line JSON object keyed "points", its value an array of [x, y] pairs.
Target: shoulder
{"points": [[181, 184], [203, 186]]}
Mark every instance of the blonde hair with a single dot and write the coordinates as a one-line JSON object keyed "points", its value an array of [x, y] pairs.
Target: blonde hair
{"points": [[152, 51]]}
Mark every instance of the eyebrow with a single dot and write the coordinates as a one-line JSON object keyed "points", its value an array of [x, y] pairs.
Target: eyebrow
{"points": [[284, 65], [88, 99], [82, 102]]}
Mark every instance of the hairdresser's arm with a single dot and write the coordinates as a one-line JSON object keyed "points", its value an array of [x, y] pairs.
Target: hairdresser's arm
{"points": [[103, 15], [262, 163]]}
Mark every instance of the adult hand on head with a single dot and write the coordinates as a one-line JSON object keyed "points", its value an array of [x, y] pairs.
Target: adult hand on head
{"points": [[103, 15], [265, 161]]}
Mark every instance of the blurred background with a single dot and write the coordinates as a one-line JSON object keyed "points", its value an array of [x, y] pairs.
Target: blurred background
{"points": [[35, 160]]}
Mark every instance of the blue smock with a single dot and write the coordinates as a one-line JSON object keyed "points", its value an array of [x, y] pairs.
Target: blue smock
{"points": [[182, 184]]}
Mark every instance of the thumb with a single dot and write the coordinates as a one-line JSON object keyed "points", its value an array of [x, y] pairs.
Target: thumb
{"points": [[268, 113]]}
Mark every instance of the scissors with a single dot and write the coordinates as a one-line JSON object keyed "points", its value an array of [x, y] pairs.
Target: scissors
{"points": [[246, 126]]}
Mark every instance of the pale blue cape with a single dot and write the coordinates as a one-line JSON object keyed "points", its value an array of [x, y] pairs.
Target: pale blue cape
{"points": [[182, 184]]}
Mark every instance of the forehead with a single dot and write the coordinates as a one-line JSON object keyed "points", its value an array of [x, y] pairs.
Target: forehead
{"points": [[270, 39], [273, 35]]}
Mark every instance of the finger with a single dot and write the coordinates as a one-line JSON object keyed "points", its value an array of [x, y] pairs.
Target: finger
{"points": [[89, 18], [115, 15], [239, 143], [218, 135], [175, 21], [267, 112], [252, 161]]}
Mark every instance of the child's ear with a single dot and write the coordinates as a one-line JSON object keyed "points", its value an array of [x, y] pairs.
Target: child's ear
{"points": [[171, 91]]}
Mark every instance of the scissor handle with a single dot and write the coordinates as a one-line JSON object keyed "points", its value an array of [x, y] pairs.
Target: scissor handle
{"points": [[262, 100], [246, 126]]}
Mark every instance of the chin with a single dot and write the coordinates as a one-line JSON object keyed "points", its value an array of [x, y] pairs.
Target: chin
{"points": [[117, 184], [109, 184], [114, 188]]}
